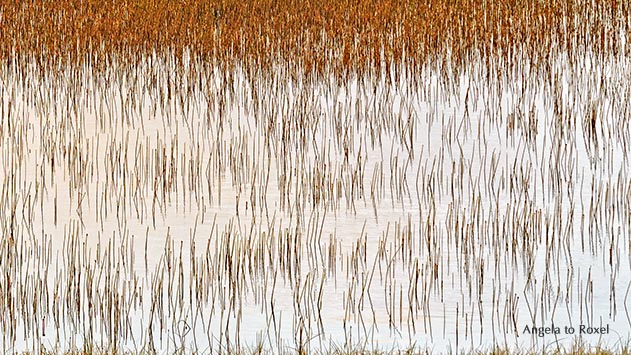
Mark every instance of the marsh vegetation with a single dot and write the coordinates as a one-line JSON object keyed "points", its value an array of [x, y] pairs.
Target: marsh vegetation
{"points": [[276, 176]]}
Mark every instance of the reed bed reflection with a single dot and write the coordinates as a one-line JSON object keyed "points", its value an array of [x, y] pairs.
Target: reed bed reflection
{"points": [[273, 176]]}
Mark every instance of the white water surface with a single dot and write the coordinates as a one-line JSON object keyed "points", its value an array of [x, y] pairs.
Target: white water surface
{"points": [[446, 210]]}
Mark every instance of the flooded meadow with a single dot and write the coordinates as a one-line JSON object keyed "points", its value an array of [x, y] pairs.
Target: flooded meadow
{"points": [[426, 196]]}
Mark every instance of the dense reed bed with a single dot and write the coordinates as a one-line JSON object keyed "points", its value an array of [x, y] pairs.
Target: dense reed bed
{"points": [[332, 37], [252, 177]]}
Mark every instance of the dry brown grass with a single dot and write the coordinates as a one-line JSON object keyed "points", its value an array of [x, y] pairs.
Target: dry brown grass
{"points": [[338, 34]]}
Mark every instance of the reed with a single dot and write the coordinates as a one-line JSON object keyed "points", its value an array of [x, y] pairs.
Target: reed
{"points": [[337, 36], [279, 177]]}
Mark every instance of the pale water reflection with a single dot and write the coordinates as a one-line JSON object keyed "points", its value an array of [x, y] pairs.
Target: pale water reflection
{"points": [[148, 210]]}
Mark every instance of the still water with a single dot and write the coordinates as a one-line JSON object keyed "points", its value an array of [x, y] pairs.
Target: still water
{"points": [[180, 206]]}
